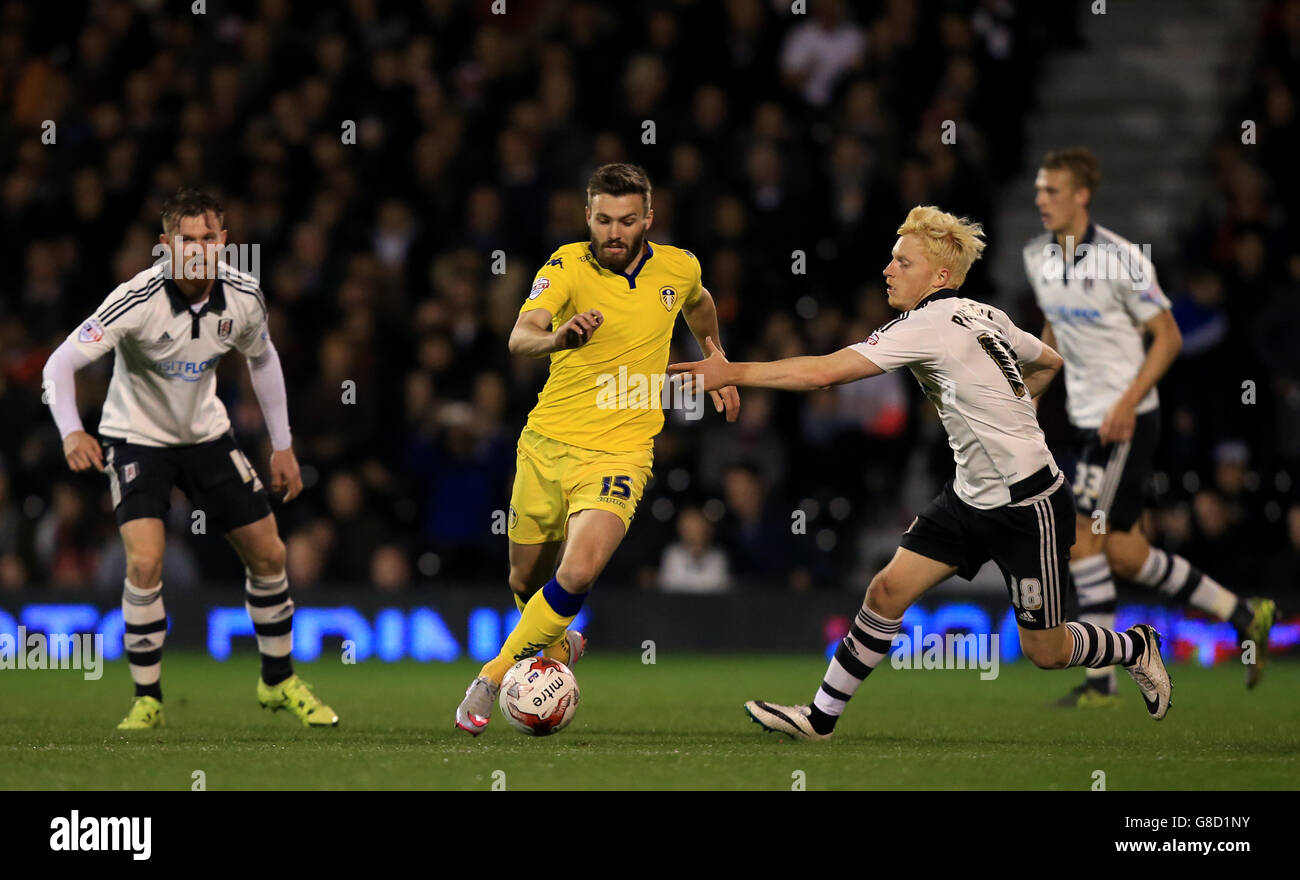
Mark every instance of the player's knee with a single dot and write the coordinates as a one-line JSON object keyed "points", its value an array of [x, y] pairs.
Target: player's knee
{"points": [[576, 575], [1122, 559], [268, 560], [1045, 654], [522, 584], [144, 569], [883, 595]]}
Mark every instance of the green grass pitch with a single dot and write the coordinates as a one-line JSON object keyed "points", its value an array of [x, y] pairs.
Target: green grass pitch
{"points": [[677, 724]]}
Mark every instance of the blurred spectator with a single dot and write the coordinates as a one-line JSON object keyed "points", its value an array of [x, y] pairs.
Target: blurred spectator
{"points": [[757, 533], [62, 540], [692, 564], [390, 570], [818, 53]]}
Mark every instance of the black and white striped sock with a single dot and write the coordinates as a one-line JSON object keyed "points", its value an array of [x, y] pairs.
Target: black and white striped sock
{"points": [[1177, 578], [868, 641], [1095, 588], [1095, 647], [268, 603], [145, 630]]}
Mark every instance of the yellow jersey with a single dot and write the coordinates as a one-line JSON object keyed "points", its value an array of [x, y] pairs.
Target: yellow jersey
{"points": [[606, 395]]}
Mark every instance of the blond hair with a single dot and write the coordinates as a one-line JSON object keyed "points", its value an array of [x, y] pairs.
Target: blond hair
{"points": [[952, 243]]}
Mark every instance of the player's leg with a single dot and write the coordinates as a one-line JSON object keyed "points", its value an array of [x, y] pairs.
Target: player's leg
{"points": [[539, 508], [1076, 643], [140, 480], [585, 498], [266, 594], [1094, 588], [894, 588], [266, 597], [220, 480], [1028, 543], [593, 537], [1131, 556], [937, 545], [531, 566], [144, 619], [1096, 478]]}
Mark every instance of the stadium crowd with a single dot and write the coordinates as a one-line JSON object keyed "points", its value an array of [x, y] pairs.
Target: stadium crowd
{"points": [[472, 136]]}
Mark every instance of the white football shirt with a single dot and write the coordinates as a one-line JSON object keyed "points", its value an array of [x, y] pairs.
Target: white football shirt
{"points": [[966, 355], [1096, 310], [163, 390]]}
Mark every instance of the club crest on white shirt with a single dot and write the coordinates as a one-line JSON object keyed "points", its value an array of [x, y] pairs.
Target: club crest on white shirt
{"points": [[223, 327]]}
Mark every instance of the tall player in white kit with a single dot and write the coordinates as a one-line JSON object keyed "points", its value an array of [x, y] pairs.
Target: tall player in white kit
{"points": [[1007, 502], [1099, 294], [163, 426]]}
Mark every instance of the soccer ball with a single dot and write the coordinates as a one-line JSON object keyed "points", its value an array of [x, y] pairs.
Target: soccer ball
{"points": [[539, 696]]}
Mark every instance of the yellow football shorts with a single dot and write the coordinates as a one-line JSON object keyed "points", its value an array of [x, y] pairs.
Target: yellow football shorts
{"points": [[554, 480]]}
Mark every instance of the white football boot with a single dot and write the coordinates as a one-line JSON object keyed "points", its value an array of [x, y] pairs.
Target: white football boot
{"points": [[790, 720]]}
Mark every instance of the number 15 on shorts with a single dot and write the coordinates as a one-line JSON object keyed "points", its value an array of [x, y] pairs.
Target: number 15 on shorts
{"points": [[616, 486]]}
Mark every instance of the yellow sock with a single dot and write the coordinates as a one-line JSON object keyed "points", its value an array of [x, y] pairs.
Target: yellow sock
{"points": [[559, 650], [539, 627]]}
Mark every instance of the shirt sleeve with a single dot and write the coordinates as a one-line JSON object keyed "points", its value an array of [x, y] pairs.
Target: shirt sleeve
{"points": [[104, 329], [1026, 346], [1140, 291], [550, 290], [697, 288], [268, 385], [902, 342], [254, 340], [59, 386]]}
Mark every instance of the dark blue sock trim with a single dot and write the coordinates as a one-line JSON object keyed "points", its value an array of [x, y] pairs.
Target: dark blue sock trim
{"points": [[561, 600]]}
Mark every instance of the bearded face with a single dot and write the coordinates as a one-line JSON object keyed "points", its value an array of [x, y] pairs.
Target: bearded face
{"points": [[618, 226]]}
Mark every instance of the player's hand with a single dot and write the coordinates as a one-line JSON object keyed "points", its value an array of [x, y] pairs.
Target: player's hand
{"points": [[1119, 423], [286, 479], [709, 374], [577, 330], [82, 452], [727, 399]]}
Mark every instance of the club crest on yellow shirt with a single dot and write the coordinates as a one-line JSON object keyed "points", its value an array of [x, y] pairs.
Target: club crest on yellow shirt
{"points": [[669, 296]]}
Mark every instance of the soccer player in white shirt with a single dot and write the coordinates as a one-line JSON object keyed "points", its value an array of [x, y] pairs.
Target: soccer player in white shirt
{"points": [[1100, 295], [163, 426], [1007, 502]]}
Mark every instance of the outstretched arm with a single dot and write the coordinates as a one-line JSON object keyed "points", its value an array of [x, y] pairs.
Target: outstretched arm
{"points": [[788, 374]]}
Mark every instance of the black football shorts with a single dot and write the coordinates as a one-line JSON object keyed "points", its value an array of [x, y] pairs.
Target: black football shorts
{"points": [[216, 476]]}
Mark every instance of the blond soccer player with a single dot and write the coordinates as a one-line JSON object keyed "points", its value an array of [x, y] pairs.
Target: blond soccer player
{"points": [[1008, 501]]}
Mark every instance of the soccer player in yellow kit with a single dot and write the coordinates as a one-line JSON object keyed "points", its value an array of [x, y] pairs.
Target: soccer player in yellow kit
{"points": [[604, 312]]}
